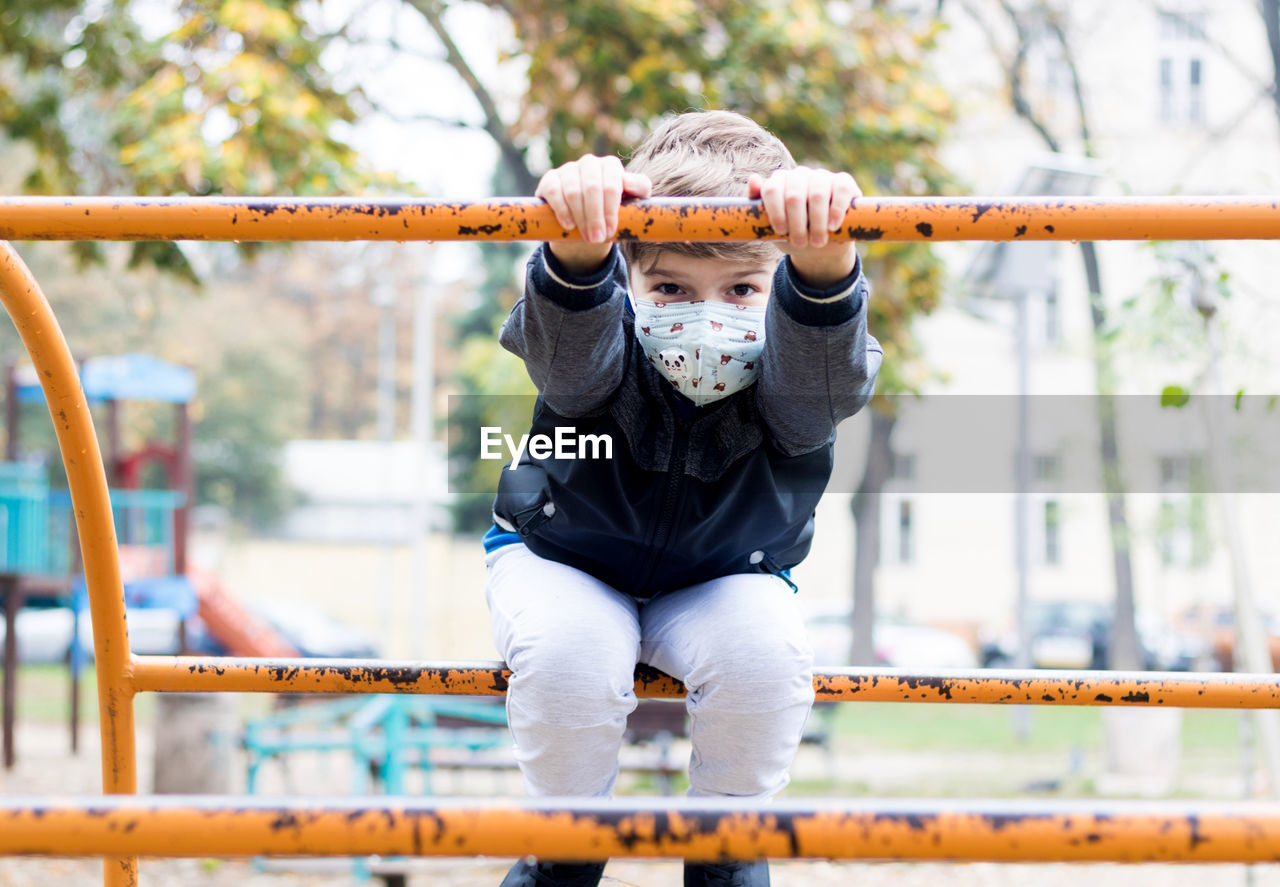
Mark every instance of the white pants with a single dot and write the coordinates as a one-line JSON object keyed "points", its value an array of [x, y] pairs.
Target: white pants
{"points": [[572, 643]]}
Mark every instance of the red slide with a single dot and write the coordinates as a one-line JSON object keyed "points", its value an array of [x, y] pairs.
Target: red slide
{"points": [[238, 631]]}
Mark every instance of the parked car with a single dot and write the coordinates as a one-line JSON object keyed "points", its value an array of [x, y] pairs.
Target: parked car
{"points": [[44, 633], [896, 643], [1077, 634], [1216, 628], [314, 632]]}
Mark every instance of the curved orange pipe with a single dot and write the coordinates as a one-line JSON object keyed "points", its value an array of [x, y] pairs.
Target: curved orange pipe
{"points": [[78, 442]]}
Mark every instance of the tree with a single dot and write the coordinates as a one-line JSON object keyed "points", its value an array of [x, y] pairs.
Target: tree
{"points": [[842, 86], [1270, 11], [497, 392], [248, 374], [229, 98], [233, 97], [845, 87], [221, 96], [1032, 25]]}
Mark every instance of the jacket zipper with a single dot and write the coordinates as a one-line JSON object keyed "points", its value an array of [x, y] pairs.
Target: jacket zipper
{"points": [[671, 496], [771, 566]]}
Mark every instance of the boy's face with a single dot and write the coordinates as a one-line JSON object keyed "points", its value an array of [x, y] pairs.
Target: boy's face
{"points": [[675, 277]]}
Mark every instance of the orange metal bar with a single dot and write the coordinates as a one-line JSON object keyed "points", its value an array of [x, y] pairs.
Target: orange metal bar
{"points": [[193, 674], [698, 829], [118, 828], [78, 443], [667, 219], [1030, 687]]}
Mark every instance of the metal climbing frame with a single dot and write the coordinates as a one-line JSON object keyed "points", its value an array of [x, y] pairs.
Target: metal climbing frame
{"points": [[122, 825]]}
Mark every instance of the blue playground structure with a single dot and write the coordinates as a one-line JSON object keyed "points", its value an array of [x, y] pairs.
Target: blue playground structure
{"points": [[386, 736], [39, 549], [39, 565]]}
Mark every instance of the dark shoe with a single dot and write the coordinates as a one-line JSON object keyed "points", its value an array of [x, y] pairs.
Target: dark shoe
{"points": [[726, 874], [530, 873]]}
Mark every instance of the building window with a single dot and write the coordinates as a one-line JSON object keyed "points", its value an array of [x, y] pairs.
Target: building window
{"points": [[1044, 326], [1046, 467], [1177, 27], [1044, 510], [1167, 113], [1182, 523], [902, 466], [1182, 67], [1181, 474], [1195, 95], [897, 529], [897, 517], [906, 535], [1052, 551], [1052, 324]]}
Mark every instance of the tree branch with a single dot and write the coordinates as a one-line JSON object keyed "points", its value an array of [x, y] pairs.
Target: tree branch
{"points": [[512, 155], [424, 117], [394, 45], [1123, 652], [1077, 90], [1270, 10], [343, 30], [1013, 67], [1021, 105], [1215, 136]]}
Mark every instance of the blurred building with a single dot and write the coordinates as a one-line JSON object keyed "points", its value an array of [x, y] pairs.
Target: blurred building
{"points": [[361, 491], [1178, 102]]}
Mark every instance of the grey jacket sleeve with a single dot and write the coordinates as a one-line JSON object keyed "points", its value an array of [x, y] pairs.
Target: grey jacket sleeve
{"points": [[568, 331], [820, 363]]}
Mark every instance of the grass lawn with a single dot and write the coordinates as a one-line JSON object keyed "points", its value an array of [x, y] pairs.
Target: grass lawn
{"points": [[1063, 745], [924, 726], [44, 696]]}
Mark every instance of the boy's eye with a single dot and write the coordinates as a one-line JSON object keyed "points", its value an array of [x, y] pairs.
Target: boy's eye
{"points": [[668, 289], [742, 290]]}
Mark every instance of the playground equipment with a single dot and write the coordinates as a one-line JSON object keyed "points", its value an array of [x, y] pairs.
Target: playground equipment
{"points": [[39, 560], [386, 735], [121, 827], [40, 556], [660, 219]]}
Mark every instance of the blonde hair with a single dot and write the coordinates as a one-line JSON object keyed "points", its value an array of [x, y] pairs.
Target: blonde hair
{"points": [[707, 154]]}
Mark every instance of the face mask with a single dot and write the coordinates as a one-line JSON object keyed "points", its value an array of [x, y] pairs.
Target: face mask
{"points": [[706, 350]]}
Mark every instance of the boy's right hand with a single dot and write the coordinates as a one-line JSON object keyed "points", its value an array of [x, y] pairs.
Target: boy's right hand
{"points": [[585, 195]]}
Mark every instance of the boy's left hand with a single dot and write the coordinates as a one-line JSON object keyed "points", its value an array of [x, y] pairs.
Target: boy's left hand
{"points": [[806, 205]]}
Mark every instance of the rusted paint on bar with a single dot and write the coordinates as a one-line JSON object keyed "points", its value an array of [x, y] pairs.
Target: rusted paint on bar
{"points": [[1008, 687], [238, 675], [666, 219], [78, 443], [115, 826], [698, 829], [1052, 687], [193, 674]]}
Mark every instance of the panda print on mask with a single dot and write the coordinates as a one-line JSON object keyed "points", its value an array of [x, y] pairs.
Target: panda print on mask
{"points": [[706, 350]]}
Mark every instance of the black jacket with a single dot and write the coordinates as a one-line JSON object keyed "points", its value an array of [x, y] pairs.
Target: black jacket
{"points": [[690, 493]]}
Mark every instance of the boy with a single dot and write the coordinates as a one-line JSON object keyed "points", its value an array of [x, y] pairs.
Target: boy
{"points": [[721, 402]]}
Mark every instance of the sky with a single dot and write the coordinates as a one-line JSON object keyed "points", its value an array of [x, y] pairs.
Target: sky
{"points": [[394, 57], [413, 81], [446, 161]]}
